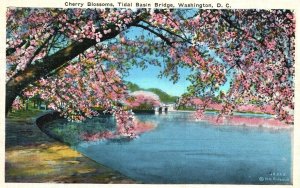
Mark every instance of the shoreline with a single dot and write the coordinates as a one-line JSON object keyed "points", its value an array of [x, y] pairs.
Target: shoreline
{"points": [[28, 150], [242, 119]]}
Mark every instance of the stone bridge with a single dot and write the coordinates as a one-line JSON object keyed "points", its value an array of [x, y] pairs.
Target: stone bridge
{"points": [[165, 108]]}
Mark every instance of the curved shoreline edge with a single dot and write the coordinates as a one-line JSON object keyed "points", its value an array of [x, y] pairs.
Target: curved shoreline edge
{"points": [[41, 121], [33, 156]]}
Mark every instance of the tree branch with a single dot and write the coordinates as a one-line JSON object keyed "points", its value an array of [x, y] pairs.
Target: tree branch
{"points": [[156, 33], [170, 32], [231, 24], [10, 51], [32, 73]]}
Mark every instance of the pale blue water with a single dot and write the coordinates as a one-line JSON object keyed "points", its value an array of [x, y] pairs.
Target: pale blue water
{"points": [[183, 151]]}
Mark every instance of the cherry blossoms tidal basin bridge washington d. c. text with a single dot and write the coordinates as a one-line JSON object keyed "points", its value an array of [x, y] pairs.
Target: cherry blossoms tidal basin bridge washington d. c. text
{"points": [[115, 76]]}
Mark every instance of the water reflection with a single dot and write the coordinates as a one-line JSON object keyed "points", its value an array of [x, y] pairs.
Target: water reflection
{"points": [[179, 149]]}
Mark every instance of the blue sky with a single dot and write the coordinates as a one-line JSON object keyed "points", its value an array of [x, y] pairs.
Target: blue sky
{"points": [[147, 78]]}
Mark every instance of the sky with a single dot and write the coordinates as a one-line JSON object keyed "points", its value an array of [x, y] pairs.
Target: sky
{"points": [[148, 78]]}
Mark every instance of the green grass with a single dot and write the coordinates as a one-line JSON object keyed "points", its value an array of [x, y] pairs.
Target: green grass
{"points": [[23, 114], [187, 108], [211, 110], [249, 112]]}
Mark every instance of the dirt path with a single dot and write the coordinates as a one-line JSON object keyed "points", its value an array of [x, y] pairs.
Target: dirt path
{"points": [[31, 156]]}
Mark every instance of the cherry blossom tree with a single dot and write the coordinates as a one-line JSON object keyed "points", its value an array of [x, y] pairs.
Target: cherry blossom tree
{"points": [[75, 58], [143, 100]]}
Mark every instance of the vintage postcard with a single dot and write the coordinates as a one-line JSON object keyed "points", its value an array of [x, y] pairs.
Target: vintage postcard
{"points": [[138, 93]]}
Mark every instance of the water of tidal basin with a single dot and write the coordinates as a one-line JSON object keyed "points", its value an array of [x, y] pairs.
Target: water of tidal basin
{"points": [[184, 151]]}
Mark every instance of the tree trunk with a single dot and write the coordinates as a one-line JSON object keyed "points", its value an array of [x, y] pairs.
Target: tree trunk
{"points": [[32, 73], [44, 67]]}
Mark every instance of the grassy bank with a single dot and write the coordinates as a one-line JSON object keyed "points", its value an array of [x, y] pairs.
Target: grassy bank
{"points": [[31, 156]]}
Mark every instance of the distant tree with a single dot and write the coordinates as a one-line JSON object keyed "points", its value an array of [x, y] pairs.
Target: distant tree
{"points": [[133, 87], [164, 97], [143, 100]]}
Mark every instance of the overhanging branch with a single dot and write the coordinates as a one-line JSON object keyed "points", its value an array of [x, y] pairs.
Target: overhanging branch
{"points": [[156, 33]]}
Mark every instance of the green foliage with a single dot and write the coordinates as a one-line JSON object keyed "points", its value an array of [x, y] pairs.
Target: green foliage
{"points": [[187, 108], [23, 114], [133, 87], [163, 96], [144, 106]]}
